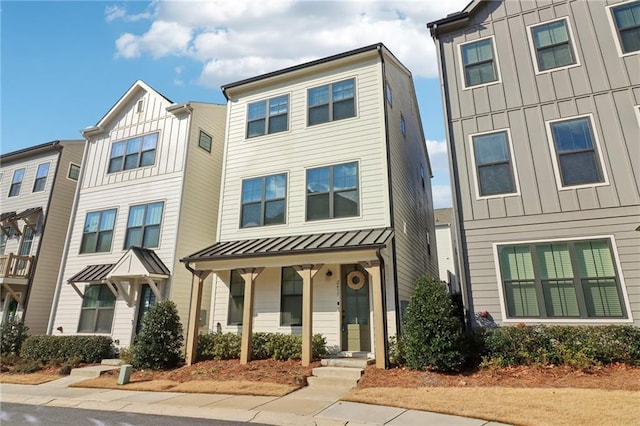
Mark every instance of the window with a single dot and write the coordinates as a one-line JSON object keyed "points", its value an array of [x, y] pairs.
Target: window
{"points": [[291, 298], [4, 237], [428, 243], [552, 45], [236, 299], [576, 160], [74, 171], [133, 153], [205, 141], [332, 191], [96, 314], [331, 102], [626, 18], [564, 279], [403, 126], [27, 241], [263, 201], [269, 116], [494, 165], [16, 182], [41, 177], [143, 226], [388, 93], [97, 233], [479, 62], [422, 181]]}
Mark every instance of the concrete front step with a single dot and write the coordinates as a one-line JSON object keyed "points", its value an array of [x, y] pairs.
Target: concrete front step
{"points": [[338, 372], [91, 372], [347, 362], [333, 383], [116, 362]]}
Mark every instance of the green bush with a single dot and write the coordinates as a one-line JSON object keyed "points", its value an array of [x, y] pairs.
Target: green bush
{"points": [[159, 343], [219, 346], [264, 345], [27, 368], [89, 349], [319, 346], [396, 351], [12, 334], [432, 329], [576, 346]]}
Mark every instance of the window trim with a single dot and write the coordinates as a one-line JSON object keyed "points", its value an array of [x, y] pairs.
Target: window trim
{"points": [[97, 310], [267, 117], [331, 101], [46, 177], [140, 151], [13, 176], [514, 169], [113, 231], [331, 192], [403, 126], [69, 172], [495, 58], [388, 94], [263, 201], [143, 226], [554, 154], [616, 32], [636, 109], [200, 134], [534, 51], [616, 260]]}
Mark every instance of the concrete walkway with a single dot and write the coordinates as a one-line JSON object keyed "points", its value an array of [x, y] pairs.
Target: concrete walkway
{"points": [[308, 406]]}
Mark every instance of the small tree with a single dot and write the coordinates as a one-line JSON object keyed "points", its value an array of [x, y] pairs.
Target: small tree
{"points": [[12, 334], [432, 329], [159, 343]]}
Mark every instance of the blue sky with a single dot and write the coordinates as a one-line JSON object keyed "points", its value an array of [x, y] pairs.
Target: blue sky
{"points": [[64, 64]]}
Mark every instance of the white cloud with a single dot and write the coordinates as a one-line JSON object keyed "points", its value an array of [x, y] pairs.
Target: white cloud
{"points": [[111, 13], [441, 196], [438, 155], [243, 38]]}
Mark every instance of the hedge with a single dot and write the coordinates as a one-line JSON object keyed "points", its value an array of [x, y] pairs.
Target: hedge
{"points": [[264, 345], [89, 349]]}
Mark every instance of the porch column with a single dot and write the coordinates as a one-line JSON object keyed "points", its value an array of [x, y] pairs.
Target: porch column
{"points": [[249, 276], [373, 269], [307, 272], [194, 314]]}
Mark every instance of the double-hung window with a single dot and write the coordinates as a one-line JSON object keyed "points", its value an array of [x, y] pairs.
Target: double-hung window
{"points": [[97, 233], [74, 171], [332, 191], [479, 62], [41, 177], [626, 19], [494, 164], [236, 299], [268, 116], [561, 279], [96, 315], [16, 182], [331, 102], [264, 201], [133, 153], [143, 226], [552, 45], [577, 158], [291, 298]]}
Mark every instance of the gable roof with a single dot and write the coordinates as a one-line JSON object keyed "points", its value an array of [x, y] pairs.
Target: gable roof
{"points": [[136, 262], [453, 20]]}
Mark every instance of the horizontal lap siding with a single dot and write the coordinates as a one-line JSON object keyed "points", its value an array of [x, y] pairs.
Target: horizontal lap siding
{"points": [[360, 138]]}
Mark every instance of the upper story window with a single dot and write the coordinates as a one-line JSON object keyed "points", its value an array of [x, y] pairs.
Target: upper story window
{"points": [[422, 177], [331, 102], [479, 62], [388, 93], [97, 233], [268, 116], [4, 237], [133, 153], [553, 45], [403, 126], [205, 141], [576, 159], [291, 298], [494, 164], [143, 226], [74, 171], [41, 177], [264, 201], [236, 299], [332, 191], [16, 182], [561, 279], [626, 19]]}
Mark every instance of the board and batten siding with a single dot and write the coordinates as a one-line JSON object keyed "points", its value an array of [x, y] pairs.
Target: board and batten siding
{"points": [[360, 139], [54, 231], [198, 205]]}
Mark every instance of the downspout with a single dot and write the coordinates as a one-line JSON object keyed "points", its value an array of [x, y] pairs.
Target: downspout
{"points": [[384, 308], [65, 251], [391, 215], [34, 264], [193, 273]]}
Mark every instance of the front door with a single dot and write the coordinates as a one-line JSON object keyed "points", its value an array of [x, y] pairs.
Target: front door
{"points": [[355, 310], [147, 300]]}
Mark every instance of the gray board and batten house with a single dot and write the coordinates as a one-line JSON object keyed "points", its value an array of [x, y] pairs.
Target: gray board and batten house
{"points": [[542, 110]]}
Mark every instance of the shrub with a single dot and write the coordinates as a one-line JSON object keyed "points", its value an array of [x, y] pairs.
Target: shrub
{"points": [[264, 345], [27, 368], [89, 349], [159, 343], [12, 334], [396, 351], [126, 355], [68, 365], [319, 346], [432, 329], [219, 346]]}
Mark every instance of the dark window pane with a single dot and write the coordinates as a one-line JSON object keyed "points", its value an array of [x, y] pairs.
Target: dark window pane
{"points": [[579, 168], [250, 215], [104, 241], [492, 148], [345, 204], [630, 40], [521, 299], [105, 318], [560, 298], [88, 244], [255, 128], [131, 161], [115, 164], [278, 123], [274, 212], [291, 308], [148, 158], [495, 179], [151, 236], [87, 318], [344, 109], [318, 114], [602, 298], [134, 237], [318, 206]]}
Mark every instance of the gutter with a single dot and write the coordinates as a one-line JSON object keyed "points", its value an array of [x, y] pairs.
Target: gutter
{"points": [[383, 286]]}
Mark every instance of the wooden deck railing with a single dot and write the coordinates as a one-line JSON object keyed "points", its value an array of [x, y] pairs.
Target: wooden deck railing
{"points": [[14, 266]]}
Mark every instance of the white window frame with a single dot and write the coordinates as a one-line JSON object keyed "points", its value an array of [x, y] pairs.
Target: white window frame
{"points": [[615, 31], [554, 154], [144, 225], [637, 111], [534, 52], [516, 181], [331, 101], [267, 117], [13, 177], [113, 231], [331, 192], [616, 259], [46, 177], [495, 58], [69, 172], [263, 201], [140, 152]]}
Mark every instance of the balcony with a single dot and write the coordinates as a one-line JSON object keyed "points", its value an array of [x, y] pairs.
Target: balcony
{"points": [[15, 269]]}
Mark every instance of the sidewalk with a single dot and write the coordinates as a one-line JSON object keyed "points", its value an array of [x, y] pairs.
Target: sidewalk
{"points": [[304, 407]]}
